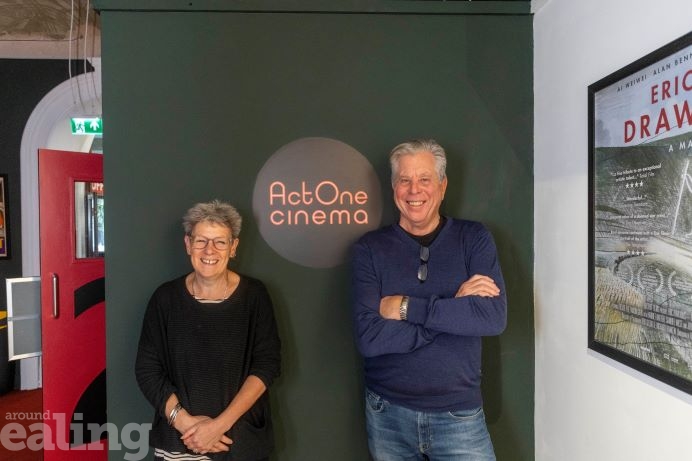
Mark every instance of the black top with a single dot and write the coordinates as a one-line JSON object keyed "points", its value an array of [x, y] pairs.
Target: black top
{"points": [[427, 239], [203, 352]]}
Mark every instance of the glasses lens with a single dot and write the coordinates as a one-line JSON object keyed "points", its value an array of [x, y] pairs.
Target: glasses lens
{"points": [[199, 243], [423, 272], [221, 244], [424, 254]]}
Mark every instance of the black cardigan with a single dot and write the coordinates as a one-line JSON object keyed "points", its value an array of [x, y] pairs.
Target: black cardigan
{"points": [[203, 352]]}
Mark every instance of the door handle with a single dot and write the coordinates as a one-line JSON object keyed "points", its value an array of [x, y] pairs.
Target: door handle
{"points": [[54, 278]]}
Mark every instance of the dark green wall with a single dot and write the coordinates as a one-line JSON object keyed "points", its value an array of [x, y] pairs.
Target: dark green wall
{"points": [[194, 104]]}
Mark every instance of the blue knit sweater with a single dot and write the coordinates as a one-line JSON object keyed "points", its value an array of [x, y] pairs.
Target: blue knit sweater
{"points": [[431, 361]]}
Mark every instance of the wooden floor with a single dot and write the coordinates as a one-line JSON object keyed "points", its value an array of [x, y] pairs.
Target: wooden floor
{"points": [[20, 407]]}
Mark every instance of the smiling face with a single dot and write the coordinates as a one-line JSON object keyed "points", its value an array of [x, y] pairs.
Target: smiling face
{"points": [[418, 193], [209, 262]]}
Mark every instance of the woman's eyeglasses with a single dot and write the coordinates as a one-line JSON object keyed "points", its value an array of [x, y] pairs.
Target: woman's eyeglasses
{"points": [[200, 243], [423, 268]]}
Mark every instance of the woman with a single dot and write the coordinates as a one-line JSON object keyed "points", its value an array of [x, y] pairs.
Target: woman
{"points": [[209, 349]]}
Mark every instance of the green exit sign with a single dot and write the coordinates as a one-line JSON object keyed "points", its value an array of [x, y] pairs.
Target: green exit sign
{"points": [[91, 125]]}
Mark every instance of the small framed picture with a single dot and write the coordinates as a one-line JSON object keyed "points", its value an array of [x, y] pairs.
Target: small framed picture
{"points": [[4, 219]]}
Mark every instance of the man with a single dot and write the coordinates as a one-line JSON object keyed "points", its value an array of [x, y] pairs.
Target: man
{"points": [[425, 291]]}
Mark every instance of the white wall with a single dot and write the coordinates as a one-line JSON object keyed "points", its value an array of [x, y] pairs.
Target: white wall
{"points": [[587, 406]]}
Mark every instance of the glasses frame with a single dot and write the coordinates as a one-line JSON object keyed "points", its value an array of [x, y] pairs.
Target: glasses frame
{"points": [[227, 242], [423, 268]]}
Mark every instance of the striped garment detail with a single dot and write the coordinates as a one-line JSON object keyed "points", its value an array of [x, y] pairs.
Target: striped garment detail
{"points": [[176, 456]]}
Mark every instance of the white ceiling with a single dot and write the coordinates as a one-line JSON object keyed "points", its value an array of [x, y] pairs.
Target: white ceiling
{"points": [[49, 29]]}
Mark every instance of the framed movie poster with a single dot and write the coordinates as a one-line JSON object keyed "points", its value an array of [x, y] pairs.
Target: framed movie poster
{"points": [[640, 214], [4, 226]]}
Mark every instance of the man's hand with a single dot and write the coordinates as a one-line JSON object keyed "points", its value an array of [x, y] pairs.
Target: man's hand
{"points": [[389, 307], [477, 285]]}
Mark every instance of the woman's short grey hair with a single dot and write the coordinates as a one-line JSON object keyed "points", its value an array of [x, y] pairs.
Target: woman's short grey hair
{"points": [[216, 212], [415, 146]]}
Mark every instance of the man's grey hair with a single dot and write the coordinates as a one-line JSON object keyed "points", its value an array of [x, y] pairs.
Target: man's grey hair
{"points": [[415, 146], [216, 212]]}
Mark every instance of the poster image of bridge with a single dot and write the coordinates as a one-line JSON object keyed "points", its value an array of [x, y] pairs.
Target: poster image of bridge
{"points": [[640, 215]]}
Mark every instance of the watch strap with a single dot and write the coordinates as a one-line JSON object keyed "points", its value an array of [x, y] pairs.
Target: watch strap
{"points": [[403, 308]]}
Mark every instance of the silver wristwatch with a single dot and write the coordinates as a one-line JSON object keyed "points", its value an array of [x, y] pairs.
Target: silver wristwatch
{"points": [[403, 308]]}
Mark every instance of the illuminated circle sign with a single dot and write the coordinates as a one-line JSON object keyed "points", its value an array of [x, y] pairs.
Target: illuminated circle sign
{"points": [[313, 198]]}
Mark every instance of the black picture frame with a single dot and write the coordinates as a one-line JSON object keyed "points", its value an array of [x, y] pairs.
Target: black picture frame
{"points": [[4, 220], [640, 215]]}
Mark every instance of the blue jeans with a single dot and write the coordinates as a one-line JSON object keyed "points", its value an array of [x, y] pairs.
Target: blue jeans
{"points": [[396, 433]]}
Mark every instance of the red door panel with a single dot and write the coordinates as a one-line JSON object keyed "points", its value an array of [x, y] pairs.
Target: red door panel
{"points": [[73, 314]]}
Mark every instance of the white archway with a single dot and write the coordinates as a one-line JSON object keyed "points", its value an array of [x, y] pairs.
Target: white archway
{"points": [[48, 127], [78, 97]]}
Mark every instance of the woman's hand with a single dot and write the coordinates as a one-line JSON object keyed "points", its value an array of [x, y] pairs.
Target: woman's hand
{"points": [[206, 436]]}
